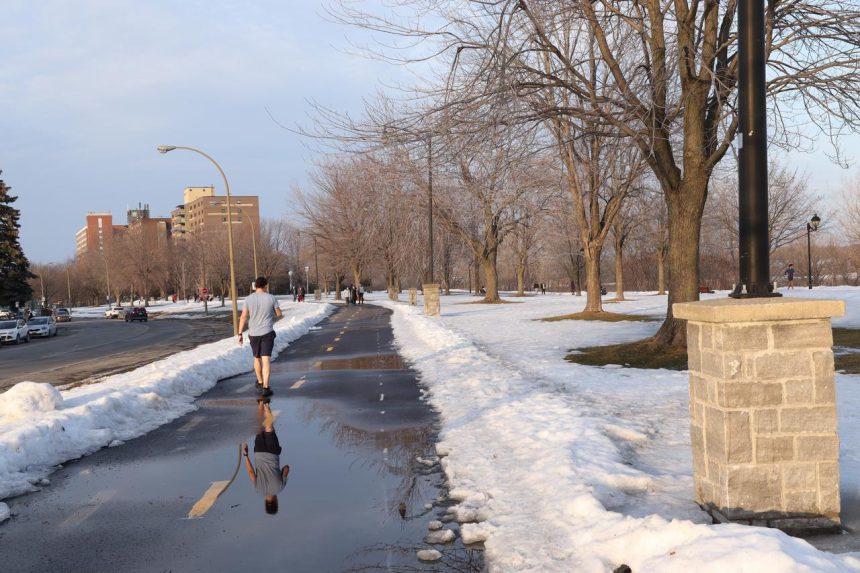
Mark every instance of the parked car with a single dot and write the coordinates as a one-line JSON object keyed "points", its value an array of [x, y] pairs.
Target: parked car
{"points": [[114, 312], [42, 326], [14, 332], [6, 313], [64, 315], [137, 313]]}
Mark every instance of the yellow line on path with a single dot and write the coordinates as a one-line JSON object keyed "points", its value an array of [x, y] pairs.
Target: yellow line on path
{"points": [[329, 349], [209, 498], [212, 494], [298, 384], [337, 339]]}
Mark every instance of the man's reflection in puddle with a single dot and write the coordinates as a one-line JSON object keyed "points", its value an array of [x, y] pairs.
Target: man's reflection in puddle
{"points": [[269, 478]]}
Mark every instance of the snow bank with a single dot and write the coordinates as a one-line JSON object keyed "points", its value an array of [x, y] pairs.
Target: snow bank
{"points": [[41, 427], [562, 467]]}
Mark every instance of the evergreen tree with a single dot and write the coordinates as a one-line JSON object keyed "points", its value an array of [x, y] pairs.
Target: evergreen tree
{"points": [[14, 266]]}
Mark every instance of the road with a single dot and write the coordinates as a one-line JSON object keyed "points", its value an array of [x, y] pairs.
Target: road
{"points": [[363, 481], [87, 348]]}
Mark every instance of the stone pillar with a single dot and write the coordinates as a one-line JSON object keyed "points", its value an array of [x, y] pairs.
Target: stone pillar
{"points": [[763, 410], [431, 299], [413, 296], [392, 293]]}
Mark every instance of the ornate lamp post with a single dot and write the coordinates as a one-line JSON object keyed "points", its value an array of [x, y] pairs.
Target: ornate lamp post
{"points": [[167, 148], [812, 225], [307, 280]]}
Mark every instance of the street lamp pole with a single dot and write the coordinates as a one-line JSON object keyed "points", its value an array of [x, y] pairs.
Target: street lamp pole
{"points": [[254, 246], [753, 241], [430, 202], [290, 272], [812, 225], [317, 265], [307, 280], [167, 148]]}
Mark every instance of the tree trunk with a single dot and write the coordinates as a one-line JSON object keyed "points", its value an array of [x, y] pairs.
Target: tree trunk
{"points": [[356, 276], [619, 266], [521, 280], [337, 286], [593, 300], [685, 217], [661, 270], [491, 277]]}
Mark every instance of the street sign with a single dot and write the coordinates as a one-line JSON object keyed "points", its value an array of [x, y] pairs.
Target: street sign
{"points": [[204, 291]]}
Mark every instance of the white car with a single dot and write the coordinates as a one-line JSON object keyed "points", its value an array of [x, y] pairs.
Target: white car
{"points": [[14, 332], [113, 312], [42, 326]]}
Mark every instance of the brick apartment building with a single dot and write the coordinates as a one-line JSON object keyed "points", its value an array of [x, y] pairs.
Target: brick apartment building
{"points": [[98, 234], [201, 211], [205, 211]]}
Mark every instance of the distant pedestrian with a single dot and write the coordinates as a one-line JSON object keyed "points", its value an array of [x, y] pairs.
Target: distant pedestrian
{"points": [[268, 477], [360, 294], [572, 287], [260, 311], [789, 274], [301, 294], [542, 288]]}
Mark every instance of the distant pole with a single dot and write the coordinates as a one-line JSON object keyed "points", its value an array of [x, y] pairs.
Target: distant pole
{"points": [[316, 264], [753, 242], [430, 202], [812, 225], [69, 285]]}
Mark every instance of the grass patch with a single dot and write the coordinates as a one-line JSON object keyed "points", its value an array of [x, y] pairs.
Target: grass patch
{"points": [[640, 354], [602, 316], [849, 362]]}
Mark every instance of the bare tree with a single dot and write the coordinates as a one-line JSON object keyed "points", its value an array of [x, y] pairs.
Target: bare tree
{"points": [[671, 74]]}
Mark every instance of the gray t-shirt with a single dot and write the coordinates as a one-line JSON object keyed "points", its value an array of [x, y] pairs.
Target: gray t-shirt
{"points": [[270, 480], [261, 313]]}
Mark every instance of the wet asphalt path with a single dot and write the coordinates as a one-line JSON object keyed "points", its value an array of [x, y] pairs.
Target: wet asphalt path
{"points": [[84, 347], [352, 427]]}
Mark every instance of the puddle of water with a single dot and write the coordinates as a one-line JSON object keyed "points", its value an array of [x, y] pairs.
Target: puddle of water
{"points": [[363, 362], [354, 501]]}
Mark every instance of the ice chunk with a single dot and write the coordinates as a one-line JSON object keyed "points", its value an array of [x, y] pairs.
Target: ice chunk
{"points": [[440, 536], [27, 398], [434, 525], [475, 532], [5, 512], [429, 555]]}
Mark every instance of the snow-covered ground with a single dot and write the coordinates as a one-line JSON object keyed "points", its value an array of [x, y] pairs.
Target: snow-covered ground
{"points": [[563, 467], [41, 426]]}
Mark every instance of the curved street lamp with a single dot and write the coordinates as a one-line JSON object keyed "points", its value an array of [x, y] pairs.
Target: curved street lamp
{"points": [[167, 148], [812, 225]]}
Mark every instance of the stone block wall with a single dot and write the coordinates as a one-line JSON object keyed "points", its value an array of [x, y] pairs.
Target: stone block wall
{"points": [[763, 410], [432, 305]]}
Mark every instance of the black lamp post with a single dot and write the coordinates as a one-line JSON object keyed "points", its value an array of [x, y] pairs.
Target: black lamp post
{"points": [[753, 241], [812, 225]]}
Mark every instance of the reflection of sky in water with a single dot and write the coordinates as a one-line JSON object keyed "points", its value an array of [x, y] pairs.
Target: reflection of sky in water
{"points": [[340, 510]]}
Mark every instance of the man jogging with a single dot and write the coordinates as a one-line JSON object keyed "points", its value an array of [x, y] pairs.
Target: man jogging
{"points": [[260, 311]]}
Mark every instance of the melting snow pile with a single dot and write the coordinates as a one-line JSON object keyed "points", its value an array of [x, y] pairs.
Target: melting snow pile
{"points": [[41, 427], [560, 467]]}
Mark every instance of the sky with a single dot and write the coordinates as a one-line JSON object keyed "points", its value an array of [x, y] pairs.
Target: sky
{"points": [[89, 89]]}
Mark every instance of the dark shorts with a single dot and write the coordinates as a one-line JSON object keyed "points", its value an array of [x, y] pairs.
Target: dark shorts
{"points": [[267, 442], [262, 345]]}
